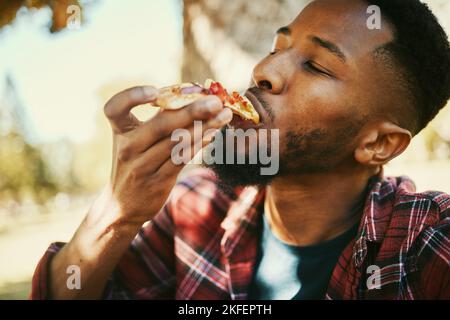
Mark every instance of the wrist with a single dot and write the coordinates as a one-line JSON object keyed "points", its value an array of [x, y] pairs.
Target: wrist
{"points": [[105, 229], [108, 213]]}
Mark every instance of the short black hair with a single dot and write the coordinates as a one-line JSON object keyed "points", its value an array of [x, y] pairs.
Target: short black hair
{"points": [[422, 49]]}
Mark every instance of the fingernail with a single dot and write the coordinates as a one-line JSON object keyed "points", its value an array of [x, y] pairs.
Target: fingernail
{"points": [[225, 116]]}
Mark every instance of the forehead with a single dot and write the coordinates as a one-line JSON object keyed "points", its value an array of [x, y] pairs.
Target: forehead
{"points": [[344, 22]]}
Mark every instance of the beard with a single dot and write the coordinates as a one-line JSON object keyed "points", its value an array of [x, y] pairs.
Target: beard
{"points": [[309, 151], [234, 174], [304, 151]]}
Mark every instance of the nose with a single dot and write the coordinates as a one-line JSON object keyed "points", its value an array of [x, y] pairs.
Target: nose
{"points": [[267, 75]]}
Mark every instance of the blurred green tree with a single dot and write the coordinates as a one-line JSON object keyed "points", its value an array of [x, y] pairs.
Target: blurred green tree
{"points": [[23, 171]]}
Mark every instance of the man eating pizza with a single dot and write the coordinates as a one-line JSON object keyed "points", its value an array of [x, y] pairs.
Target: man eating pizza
{"points": [[346, 99]]}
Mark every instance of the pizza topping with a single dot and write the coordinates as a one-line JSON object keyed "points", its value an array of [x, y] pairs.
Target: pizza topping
{"points": [[217, 90], [237, 103]]}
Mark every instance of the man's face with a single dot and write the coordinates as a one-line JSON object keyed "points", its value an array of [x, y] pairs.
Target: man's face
{"points": [[319, 86]]}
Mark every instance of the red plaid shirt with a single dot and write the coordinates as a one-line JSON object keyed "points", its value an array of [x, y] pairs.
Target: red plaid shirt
{"points": [[203, 245]]}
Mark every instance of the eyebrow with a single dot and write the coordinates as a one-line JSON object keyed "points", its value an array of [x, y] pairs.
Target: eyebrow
{"points": [[334, 49]]}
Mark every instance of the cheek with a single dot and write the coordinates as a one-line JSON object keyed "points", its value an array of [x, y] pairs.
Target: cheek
{"points": [[318, 103]]}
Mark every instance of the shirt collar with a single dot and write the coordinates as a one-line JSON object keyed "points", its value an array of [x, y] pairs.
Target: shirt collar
{"points": [[244, 213], [377, 215]]}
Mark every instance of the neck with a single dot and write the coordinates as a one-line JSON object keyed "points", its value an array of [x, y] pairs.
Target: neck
{"points": [[308, 209]]}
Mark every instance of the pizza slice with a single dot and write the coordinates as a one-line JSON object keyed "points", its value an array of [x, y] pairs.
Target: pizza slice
{"points": [[179, 96]]}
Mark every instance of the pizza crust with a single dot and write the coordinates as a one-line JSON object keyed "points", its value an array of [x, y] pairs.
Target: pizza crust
{"points": [[171, 98], [177, 102]]}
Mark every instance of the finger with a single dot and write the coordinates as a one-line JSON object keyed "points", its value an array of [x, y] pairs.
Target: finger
{"points": [[118, 108], [181, 152], [164, 123]]}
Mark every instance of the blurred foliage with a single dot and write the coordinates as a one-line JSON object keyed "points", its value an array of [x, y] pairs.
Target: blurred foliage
{"points": [[23, 171], [9, 9], [437, 136], [92, 159]]}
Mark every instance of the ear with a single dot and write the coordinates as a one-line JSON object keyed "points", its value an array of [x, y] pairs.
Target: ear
{"points": [[382, 143]]}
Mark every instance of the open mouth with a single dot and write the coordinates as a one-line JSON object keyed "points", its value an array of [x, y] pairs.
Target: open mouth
{"points": [[240, 123]]}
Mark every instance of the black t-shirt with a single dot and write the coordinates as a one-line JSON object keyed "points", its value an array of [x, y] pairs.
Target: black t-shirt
{"points": [[286, 272]]}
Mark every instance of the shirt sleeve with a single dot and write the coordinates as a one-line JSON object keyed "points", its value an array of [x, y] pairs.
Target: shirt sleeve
{"points": [[146, 271], [434, 263]]}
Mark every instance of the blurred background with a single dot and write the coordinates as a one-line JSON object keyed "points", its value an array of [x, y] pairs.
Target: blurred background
{"points": [[62, 60]]}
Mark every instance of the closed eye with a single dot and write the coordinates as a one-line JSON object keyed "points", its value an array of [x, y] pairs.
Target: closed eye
{"points": [[311, 66]]}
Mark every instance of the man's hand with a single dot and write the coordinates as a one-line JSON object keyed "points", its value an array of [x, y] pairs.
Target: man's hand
{"points": [[143, 175], [143, 172]]}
